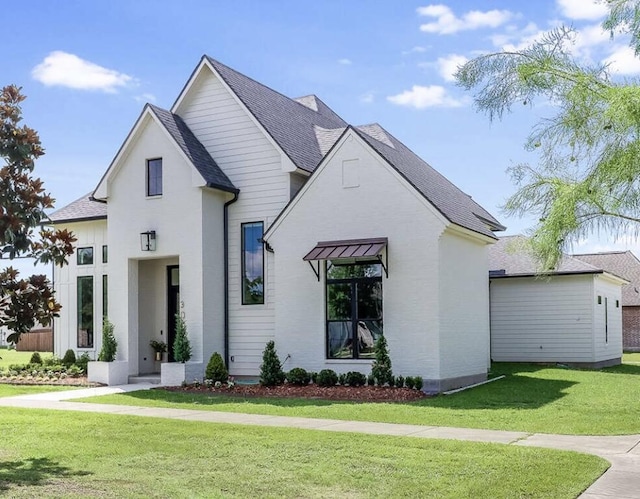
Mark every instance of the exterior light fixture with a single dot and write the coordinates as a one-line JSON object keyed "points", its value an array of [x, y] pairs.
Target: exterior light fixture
{"points": [[148, 241]]}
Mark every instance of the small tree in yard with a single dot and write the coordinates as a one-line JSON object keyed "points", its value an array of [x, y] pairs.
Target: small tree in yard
{"points": [[216, 370], [381, 367], [25, 302], [181, 345], [271, 373], [109, 343]]}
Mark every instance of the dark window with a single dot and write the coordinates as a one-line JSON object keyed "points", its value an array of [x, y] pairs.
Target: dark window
{"points": [[85, 312], [105, 296], [154, 177], [252, 264], [606, 319], [354, 309], [85, 256], [105, 254]]}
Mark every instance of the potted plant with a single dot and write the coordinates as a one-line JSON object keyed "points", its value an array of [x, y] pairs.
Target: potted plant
{"points": [[159, 347], [180, 371], [107, 369]]}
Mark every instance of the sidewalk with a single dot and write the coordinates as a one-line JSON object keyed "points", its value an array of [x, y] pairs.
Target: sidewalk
{"points": [[621, 481]]}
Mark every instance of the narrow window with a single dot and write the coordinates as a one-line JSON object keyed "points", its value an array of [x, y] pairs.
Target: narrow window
{"points": [[85, 256], [354, 309], [105, 296], [154, 177], [252, 263], [85, 312], [105, 253], [606, 320]]}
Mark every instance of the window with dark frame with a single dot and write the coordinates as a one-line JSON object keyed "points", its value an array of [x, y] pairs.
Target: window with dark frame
{"points": [[105, 296], [84, 256], [154, 177], [85, 311], [354, 309], [105, 253], [252, 263]]}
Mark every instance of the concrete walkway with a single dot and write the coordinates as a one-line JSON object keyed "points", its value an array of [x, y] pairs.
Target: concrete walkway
{"points": [[621, 481]]}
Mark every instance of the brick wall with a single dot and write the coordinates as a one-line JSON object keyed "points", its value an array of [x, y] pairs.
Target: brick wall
{"points": [[631, 328]]}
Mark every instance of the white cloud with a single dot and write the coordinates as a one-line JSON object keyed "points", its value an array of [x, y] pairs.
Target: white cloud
{"points": [[421, 97], [69, 70], [623, 61], [344, 61], [582, 9], [446, 22], [449, 64]]}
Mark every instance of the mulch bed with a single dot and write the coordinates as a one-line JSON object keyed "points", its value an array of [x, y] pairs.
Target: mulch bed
{"points": [[348, 393]]}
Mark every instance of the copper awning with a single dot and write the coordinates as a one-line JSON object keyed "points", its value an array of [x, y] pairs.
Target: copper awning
{"points": [[354, 248]]}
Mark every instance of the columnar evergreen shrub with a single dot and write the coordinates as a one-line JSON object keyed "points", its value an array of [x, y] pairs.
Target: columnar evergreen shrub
{"points": [[418, 382], [109, 343], [271, 373], [181, 345], [342, 379], [327, 377], [35, 358], [381, 367], [399, 382], [314, 377], [216, 370], [371, 381], [298, 376], [354, 378], [69, 358], [409, 381]]}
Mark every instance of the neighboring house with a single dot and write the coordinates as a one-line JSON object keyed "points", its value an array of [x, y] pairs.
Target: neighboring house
{"points": [[626, 265], [259, 217], [571, 315]]}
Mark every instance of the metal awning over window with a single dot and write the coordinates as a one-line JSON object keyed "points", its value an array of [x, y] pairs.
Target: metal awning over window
{"points": [[353, 249]]}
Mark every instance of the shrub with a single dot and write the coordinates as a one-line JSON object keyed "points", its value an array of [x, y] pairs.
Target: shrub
{"points": [[399, 382], [409, 381], [35, 358], [314, 378], [69, 358], [354, 378], [327, 377], [51, 361], [109, 343], [371, 381], [82, 361], [74, 371], [298, 376], [381, 367], [216, 370], [417, 382], [181, 345], [271, 373], [342, 379]]}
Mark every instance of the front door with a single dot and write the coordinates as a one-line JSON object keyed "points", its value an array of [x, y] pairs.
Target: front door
{"points": [[173, 305]]}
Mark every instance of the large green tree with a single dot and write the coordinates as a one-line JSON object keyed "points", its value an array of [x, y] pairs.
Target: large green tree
{"points": [[23, 201], [588, 176]]}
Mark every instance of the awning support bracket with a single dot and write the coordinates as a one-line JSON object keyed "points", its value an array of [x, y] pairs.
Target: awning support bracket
{"points": [[315, 271]]}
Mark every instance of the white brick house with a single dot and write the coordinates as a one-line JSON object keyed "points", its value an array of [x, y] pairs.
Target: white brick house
{"points": [[261, 218]]}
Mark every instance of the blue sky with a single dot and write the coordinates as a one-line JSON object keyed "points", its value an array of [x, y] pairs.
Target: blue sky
{"points": [[87, 69]]}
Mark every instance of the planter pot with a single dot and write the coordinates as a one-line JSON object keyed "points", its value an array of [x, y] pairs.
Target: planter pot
{"points": [[108, 373], [175, 373], [159, 356]]}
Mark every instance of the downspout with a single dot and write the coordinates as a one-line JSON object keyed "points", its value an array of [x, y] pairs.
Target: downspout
{"points": [[226, 277]]}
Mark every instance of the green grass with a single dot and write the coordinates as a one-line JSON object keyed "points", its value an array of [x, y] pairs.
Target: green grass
{"points": [[8, 357], [49, 454], [633, 358], [530, 398], [7, 390]]}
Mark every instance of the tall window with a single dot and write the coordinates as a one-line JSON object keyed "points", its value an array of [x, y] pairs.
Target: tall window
{"points": [[252, 263], [354, 309], [105, 253], [154, 177], [105, 296], [85, 312]]}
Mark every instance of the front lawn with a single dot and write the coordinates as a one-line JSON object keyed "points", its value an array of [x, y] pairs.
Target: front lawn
{"points": [[631, 357], [531, 398], [53, 454], [8, 357], [7, 390]]}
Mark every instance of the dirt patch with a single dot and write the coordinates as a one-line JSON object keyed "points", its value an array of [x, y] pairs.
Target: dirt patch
{"points": [[348, 393]]}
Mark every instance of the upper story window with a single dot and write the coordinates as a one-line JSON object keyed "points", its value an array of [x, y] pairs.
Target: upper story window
{"points": [[105, 253], [252, 263], [85, 256], [154, 177]]}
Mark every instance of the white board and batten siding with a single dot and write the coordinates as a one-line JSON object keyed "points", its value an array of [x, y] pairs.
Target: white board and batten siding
{"points": [[607, 327], [89, 234], [552, 319], [255, 166]]}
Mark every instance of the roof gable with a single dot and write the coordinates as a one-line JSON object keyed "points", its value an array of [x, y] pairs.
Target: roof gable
{"points": [[81, 210]]}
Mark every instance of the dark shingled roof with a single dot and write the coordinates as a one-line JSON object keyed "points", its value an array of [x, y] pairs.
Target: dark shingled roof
{"points": [[193, 149], [511, 256], [290, 123], [623, 264], [82, 209]]}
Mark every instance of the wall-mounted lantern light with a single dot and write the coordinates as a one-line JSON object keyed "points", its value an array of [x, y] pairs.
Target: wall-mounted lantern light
{"points": [[148, 241]]}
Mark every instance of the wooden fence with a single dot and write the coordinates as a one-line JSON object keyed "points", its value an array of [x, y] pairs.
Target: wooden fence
{"points": [[37, 340]]}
